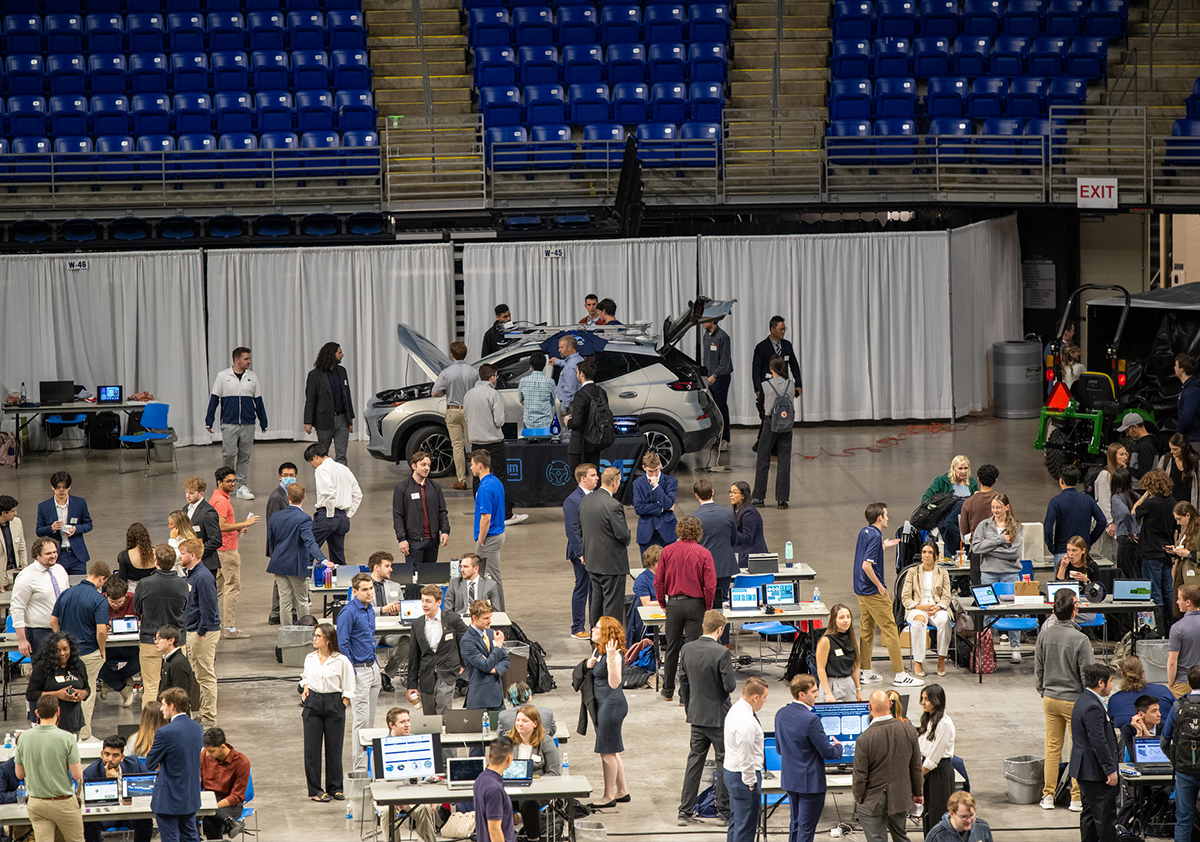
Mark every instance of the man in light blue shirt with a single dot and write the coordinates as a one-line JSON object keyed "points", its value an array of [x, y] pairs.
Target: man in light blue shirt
{"points": [[568, 383], [536, 393]]}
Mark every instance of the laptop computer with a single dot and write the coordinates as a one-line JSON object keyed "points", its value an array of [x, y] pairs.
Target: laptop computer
{"points": [[1053, 588], [985, 596], [1131, 590], [780, 594], [437, 573], [762, 563], [138, 788], [402, 572], [105, 793], [1148, 756], [110, 394], [743, 599], [421, 724], [463, 721], [410, 609], [126, 625], [519, 773], [56, 392], [461, 772]]}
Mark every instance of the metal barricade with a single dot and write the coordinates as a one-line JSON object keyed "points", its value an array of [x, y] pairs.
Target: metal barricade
{"points": [[436, 163]]}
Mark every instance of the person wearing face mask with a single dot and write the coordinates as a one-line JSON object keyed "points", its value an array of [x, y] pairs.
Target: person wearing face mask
{"points": [[277, 502]]}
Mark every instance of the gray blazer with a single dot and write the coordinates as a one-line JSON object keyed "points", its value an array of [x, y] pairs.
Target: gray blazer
{"points": [[605, 534], [456, 595], [546, 759], [705, 681], [717, 521]]}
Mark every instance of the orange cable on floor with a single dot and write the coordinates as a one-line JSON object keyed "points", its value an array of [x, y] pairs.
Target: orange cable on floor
{"points": [[932, 428]]}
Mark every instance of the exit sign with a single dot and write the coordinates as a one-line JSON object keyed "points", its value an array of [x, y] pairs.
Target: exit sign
{"points": [[1096, 193]]}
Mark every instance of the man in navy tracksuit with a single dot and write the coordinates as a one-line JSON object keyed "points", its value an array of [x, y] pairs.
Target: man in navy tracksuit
{"points": [[236, 390], [1189, 397]]}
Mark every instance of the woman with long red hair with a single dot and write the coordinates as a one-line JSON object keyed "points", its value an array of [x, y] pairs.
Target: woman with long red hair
{"points": [[607, 665]]}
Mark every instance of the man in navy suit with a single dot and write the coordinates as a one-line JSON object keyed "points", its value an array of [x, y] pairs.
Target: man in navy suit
{"points": [[1094, 756], [654, 503], [719, 529], [586, 479], [482, 651], [175, 754], [803, 749], [65, 519], [291, 547]]}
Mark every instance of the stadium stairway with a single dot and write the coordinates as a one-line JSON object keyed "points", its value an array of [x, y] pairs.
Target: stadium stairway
{"points": [[396, 58], [1176, 65], [804, 52]]}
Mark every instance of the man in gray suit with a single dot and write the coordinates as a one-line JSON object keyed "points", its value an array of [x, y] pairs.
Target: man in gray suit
{"points": [[705, 681], [717, 521], [606, 540], [469, 587], [887, 777]]}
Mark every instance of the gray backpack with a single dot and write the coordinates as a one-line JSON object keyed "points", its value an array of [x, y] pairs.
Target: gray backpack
{"points": [[782, 409]]}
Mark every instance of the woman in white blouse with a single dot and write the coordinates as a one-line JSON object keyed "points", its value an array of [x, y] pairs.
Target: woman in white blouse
{"points": [[327, 686], [935, 736]]}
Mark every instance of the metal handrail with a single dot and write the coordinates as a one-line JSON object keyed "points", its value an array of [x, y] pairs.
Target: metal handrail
{"points": [[1131, 56], [419, 30], [1154, 27]]}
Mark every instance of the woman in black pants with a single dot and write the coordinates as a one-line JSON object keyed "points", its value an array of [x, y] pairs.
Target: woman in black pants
{"points": [[1155, 513], [327, 686], [772, 442], [935, 737]]}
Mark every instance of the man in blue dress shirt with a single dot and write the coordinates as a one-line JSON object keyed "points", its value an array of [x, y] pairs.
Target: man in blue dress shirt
{"points": [[803, 749], [568, 383], [356, 640]]}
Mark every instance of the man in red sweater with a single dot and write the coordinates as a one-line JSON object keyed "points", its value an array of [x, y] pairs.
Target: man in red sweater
{"points": [[225, 773], [685, 584]]}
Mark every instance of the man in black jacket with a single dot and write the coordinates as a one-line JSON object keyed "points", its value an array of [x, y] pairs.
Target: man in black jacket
{"points": [[277, 502], [773, 346], [176, 669], [705, 681], [205, 520], [434, 663], [1094, 756], [419, 513], [578, 450], [160, 600], [327, 402], [494, 338]]}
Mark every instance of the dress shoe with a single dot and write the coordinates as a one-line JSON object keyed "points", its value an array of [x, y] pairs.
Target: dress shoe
{"points": [[758, 504], [385, 683], [459, 486], [605, 806], [624, 799], [781, 505]]}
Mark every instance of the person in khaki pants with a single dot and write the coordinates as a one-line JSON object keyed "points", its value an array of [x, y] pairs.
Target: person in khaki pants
{"points": [[229, 574], [874, 601], [160, 600], [203, 627], [47, 760], [454, 382], [1183, 648], [1061, 653]]}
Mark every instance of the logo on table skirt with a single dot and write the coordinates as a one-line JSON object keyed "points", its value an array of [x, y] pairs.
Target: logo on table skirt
{"points": [[558, 473], [515, 471], [626, 466]]}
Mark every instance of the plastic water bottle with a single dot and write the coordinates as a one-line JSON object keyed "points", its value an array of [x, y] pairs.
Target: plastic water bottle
{"points": [[487, 724], [566, 770], [21, 794], [817, 595], [24, 394], [787, 551], [349, 814], [555, 428]]}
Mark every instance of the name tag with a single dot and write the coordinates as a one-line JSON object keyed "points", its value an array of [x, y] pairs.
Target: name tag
{"points": [[416, 495], [536, 758], [195, 528], [449, 636], [74, 520], [1189, 573], [837, 652], [712, 347], [786, 357], [62, 679]]}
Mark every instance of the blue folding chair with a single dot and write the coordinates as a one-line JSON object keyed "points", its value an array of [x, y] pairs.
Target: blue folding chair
{"points": [[154, 429], [63, 422], [1002, 589]]}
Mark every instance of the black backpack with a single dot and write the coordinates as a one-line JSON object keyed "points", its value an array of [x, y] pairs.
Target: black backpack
{"points": [[1185, 746], [104, 431], [601, 430], [539, 678], [932, 511], [783, 409]]}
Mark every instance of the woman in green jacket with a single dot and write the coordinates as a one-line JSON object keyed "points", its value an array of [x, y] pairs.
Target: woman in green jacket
{"points": [[957, 480]]}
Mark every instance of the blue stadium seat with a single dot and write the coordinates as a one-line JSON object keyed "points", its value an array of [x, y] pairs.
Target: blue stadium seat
{"points": [[939, 17], [69, 115], [189, 71], [1026, 97], [183, 5], [266, 31], [154, 153], [66, 73], [112, 155], [320, 160], [949, 151], [1107, 18], [193, 113], [603, 143], [271, 70], [276, 152], [226, 31], [35, 165], [1183, 149], [1024, 17], [532, 25], [201, 165], [653, 151], [895, 98], [147, 32], [892, 57], [704, 150], [151, 114], [896, 18], [1048, 55], [894, 150], [507, 157], [1088, 57], [346, 30], [64, 34], [1067, 90], [306, 30], [1193, 101], [27, 115], [1065, 17], [845, 143], [946, 96], [667, 63], [582, 64], [668, 102], [148, 73], [706, 102], [360, 152], [230, 70], [850, 99], [851, 59], [537, 65], [107, 73], [500, 105], [26, 75], [489, 28], [931, 56], [494, 66], [274, 111], [630, 101], [185, 32], [626, 63], [1003, 151], [1050, 136], [982, 17], [310, 70], [987, 97], [355, 111], [234, 112], [620, 24], [707, 63], [577, 25], [708, 22], [853, 19], [548, 143], [110, 114], [1010, 55], [351, 69], [664, 23], [971, 55], [545, 105], [588, 104], [23, 34], [78, 163]]}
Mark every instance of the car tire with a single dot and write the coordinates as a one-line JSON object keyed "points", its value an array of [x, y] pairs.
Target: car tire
{"points": [[435, 441], [665, 442]]}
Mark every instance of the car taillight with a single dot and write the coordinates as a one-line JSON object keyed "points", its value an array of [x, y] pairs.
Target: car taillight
{"points": [[703, 417], [683, 385], [1120, 372]]}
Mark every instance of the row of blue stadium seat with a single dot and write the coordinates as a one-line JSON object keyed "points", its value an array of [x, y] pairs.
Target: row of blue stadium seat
{"points": [[863, 143], [53, 7], [586, 63], [557, 4], [616, 24], [970, 55], [151, 72], [906, 18], [197, 141], [986, 96], [183, 31], [189, 113], [666, 145], [630, 104]]}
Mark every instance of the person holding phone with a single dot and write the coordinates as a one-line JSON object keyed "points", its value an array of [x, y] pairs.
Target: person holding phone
{"points": [[59, 672]]}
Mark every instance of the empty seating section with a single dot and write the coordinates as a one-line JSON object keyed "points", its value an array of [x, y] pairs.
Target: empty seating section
{"points": [[941, 67], [234, 76], [552, 71]]}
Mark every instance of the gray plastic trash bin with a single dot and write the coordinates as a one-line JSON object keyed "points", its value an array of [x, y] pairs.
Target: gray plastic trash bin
{"points": [[1154, 658], [1023, 774], [1017, 378], [590, 831]]}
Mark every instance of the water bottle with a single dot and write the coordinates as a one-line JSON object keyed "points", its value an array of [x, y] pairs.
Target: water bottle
{"points": [[349, 814], [787, 551], [566, 770], [487, 725], [24, 394], [21, 794], [817, 596], [328, 578], [555, 429]]}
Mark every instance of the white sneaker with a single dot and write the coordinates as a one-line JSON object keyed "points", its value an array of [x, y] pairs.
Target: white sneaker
{"points": [[1015, 657], [244, 493], [1076, 807], [515, 519], [1047, 802], [905, 680], [127, 695], [868, 677], [1004, 637], [724, 445]]}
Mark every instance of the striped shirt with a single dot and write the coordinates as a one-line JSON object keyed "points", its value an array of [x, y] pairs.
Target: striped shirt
{"points": [[536, 392]]}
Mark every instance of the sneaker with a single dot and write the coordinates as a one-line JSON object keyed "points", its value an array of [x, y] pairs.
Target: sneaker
{"points": [[684, 821], [127, 695], [244, 493], [1004, 637], [905, 680], [1047, 802], [1076, 807], [103, 691], [273, 621], [868, 677], [515, 519], [724, 446], [722, 821], [233, 633], [1015, 657], [233, 828], [581, 635]]}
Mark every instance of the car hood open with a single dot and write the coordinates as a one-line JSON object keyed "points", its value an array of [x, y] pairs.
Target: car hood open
{"points": [[699, 311], [424, 353]]}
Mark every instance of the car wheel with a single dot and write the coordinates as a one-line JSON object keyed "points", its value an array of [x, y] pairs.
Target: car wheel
{"points": [[663, 441], [435, 441]]}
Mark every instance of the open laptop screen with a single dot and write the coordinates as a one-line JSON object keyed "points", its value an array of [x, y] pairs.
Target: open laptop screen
{"points": [[1148, 750], [1053, 588], [781, 593], [743, 599], [101, 792], [1131, 590]]}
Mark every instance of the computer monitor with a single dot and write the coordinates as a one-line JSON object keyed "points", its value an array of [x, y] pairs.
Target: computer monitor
{"points": [[781, 593], [1053, 588], [1148, 750], [56, 392], [985, 596], [101, 793], [140, 785], [402, 758], [844, 720], [410, 609], [743, 599], [1131, 590], [109, 394]]}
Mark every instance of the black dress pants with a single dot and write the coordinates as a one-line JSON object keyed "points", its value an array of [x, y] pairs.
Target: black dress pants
{"points": [[693, 775], [324, 718], [684, 623], [1098, 821], [779, 444], [608, 597]]}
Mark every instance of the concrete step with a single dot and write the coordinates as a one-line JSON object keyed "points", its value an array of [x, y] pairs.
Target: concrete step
{"points": [[794, 52], [1185, 73], [452, 81], [786, 73], [1166, 40], [397, 5], [389, 30], [1167, 30], [438, 69], [790, 21], [789, 34], [428, 16], [759, 98], [403, 55], [392, 42]]}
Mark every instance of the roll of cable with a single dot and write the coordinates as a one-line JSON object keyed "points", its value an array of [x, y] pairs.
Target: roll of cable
{"points": [[1094, 592]]}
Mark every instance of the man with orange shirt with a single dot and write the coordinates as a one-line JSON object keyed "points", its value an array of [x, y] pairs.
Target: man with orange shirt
{"points": [[229, 574], [225, 773]]}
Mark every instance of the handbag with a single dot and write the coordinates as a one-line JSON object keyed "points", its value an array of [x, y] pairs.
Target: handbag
{"points": [[459, 826], [985, 654]]}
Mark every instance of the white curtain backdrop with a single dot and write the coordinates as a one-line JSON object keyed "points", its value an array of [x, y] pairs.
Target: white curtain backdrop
{"points": [[985, 304], [284, 304], [867, 313], [134, 318], [650, 280]]}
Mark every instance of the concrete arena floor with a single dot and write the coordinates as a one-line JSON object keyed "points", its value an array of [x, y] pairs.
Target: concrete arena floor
{"points": [[258, 702]]}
